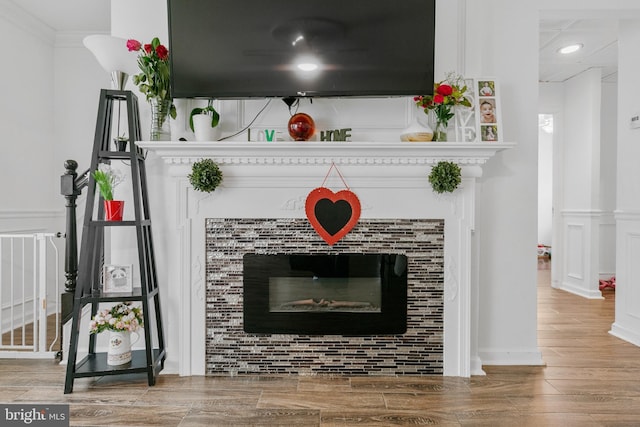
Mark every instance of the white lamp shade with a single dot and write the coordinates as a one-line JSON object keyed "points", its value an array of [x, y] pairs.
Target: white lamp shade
{"points": [[112, 53]]}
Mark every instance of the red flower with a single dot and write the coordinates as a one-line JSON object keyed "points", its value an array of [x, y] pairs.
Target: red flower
{"points": [[438, 98], [133, 45], [162, 52], [444, 90], [148, 48]]}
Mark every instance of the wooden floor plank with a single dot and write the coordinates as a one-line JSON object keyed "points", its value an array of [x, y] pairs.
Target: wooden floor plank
{"points": [[591, 378]]}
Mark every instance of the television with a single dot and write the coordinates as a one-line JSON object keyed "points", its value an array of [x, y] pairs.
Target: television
{"points": [[241, 49]]}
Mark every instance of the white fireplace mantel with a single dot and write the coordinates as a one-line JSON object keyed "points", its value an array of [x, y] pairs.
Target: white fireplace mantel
{"points": [[271, 180], [319, 153]]}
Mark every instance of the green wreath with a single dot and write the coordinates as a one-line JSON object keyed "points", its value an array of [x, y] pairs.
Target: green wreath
{"points": [[445, 177], [205, 175]]}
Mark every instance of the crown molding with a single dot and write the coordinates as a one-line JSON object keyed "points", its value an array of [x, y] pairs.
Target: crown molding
{"points": [[11, 12]]}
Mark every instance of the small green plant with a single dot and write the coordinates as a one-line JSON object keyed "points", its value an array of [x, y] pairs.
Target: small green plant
{"points": [[205, 175], [445, 177], [107, 178], [209, 110]]}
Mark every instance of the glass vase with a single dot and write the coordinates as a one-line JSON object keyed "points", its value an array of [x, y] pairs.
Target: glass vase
{"points": [[160, 126], [440, 131]]}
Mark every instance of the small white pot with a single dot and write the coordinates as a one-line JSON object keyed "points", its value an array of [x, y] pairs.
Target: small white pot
{"points": [[203, 130]]}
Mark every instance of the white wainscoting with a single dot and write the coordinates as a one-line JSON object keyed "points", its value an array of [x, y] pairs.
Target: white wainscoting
{"points": [[581, 253], [627, 323]]}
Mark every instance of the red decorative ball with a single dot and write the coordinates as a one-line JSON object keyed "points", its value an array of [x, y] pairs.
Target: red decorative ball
{"points": [[301, 127]]}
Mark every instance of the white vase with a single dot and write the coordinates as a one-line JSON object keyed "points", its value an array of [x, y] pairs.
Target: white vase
{"points": [[119, 352], [417, 131], [203, 130]]}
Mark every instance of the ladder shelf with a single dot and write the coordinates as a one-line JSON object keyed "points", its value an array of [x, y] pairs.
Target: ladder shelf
{"points": [[149, 360]]}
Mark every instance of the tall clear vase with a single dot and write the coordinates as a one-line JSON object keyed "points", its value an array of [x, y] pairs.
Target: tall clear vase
{"points": [[160, 125]]}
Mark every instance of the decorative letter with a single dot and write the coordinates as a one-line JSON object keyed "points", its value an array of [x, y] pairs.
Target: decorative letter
{"points": [[269, 134]]}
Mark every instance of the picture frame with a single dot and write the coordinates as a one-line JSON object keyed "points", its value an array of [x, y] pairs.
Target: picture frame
{"points": [[117, 278], [488, 110]]}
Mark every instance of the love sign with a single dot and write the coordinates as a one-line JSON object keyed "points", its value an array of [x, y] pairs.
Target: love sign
{"points": [[332, 215]]}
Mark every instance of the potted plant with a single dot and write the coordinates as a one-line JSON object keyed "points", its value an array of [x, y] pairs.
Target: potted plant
{"points": [[445, 177], [120, 320], [121, 142], [205, 175], [107, 179], [204, 122]]}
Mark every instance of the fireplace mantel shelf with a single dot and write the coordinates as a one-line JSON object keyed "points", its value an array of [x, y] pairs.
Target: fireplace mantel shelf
{"points": [[321, 153]]}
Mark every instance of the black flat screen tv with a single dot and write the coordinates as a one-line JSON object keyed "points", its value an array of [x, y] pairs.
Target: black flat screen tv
{"points": [[239, 49]]}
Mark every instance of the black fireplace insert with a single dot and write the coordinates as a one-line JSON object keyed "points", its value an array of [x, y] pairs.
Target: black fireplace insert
{"points": [[342, 294]]}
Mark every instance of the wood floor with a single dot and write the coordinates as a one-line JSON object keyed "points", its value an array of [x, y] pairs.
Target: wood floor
{"points": [[26, 333], [591, 379]]}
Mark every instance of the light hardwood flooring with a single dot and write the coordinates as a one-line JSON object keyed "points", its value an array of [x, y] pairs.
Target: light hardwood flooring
{"points": [[591, 379], [26, 333]]}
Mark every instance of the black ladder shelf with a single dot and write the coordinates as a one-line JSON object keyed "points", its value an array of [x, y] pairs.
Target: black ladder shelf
{"points": [[89, 288]]}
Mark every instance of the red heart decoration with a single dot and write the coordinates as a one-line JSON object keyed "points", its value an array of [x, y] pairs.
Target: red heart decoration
{"points": [[332, 215]]}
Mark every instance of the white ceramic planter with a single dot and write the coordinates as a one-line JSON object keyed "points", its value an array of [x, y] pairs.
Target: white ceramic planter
{"points": [[119, 352], [203, 130]]}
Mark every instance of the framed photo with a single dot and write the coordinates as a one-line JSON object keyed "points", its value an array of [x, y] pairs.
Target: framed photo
{"points": [[117, 278], [488, 110]]}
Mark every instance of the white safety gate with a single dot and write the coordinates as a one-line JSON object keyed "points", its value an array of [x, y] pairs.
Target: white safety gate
{"points": [[29, 293]]}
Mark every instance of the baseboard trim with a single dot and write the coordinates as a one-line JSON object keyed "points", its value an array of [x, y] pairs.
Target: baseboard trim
{"points": [[580, 292], [512, 358], [625, 334], [476, 366]]}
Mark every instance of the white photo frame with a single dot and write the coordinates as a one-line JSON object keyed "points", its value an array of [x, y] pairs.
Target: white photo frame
{"points": [[488, 110], [117, 278]]}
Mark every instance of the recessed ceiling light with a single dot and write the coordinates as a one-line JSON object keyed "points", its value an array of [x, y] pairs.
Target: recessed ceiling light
{"points": [[307, 63], [307, 66], [570, 48]]}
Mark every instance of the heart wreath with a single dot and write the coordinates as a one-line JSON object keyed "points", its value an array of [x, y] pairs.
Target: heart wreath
{"points": [[332, 215]]}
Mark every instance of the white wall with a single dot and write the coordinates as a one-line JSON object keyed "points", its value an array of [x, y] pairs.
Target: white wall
{"points": [[552, 100], [581, 178], [627, 322], [582, 140], [49, 84], [78, 80], [545, 180], [507, 225], [608, 180], [26, 119], [627, 202]]}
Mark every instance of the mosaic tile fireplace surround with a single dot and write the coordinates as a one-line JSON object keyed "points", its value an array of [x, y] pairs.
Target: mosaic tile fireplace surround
{"points": [[229, 350]]}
